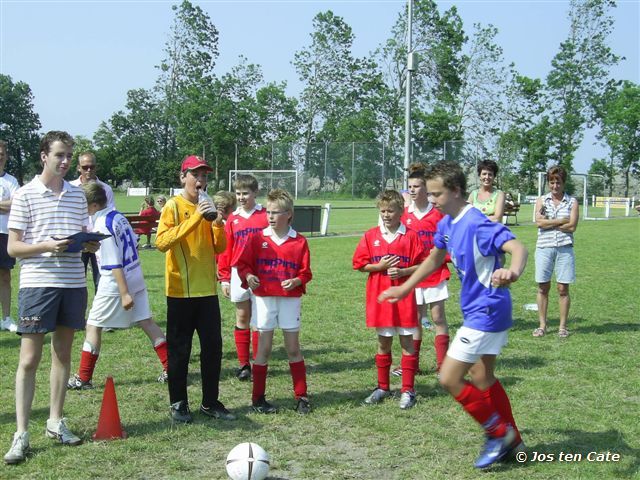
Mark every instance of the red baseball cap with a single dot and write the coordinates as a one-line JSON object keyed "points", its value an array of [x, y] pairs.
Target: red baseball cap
{"points": [[192, 162]]}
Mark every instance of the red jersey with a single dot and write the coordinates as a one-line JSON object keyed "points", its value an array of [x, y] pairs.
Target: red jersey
{"points": [[372, 247], [272, 263], [238, 230], [425, 227]]}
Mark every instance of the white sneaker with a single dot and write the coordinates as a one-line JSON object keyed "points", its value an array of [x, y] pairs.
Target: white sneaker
{"points": [[58, 430], [407, 400], [7, 324], [19, 448]]}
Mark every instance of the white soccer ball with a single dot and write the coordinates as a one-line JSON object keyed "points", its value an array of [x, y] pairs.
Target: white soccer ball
{"points": [[248, 461]]}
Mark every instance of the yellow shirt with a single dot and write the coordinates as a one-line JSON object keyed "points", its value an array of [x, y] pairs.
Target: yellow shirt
{"points": [[191, 244]]}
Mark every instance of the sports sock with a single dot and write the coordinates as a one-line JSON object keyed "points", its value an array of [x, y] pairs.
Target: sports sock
{"points": [[416, 349], [476, 405], [299, 376], [409, 364], [255, 338], [441, 342], [500, 401], [259, 381], [161, 351], [87, 365], [242, 337], [383, 362]]}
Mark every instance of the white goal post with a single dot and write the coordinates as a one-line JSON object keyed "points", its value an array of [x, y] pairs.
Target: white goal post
{"points": [[270, 179]]}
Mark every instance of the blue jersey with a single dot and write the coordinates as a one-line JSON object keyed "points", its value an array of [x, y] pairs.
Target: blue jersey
{"points": [[475, 245]]}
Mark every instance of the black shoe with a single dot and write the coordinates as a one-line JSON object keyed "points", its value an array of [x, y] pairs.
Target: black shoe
{"points": [[217, 411], [262, 406], [180, 412], [244, 373], [303, 406]]}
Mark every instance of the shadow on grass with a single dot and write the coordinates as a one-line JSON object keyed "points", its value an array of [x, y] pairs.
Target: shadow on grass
{"points": [[520, 363], [9, 340], [38, 415], [582, 443], [575, 325]]}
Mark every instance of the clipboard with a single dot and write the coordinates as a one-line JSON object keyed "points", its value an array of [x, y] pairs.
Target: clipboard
{"points": [[81, 237]]}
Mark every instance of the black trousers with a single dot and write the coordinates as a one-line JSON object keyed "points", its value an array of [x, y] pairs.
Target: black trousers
{"points": [[95, 270], [184, 317]]}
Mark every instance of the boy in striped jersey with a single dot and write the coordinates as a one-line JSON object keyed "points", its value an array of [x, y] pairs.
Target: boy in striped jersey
{"points": [[121, 299], [53, 290]]}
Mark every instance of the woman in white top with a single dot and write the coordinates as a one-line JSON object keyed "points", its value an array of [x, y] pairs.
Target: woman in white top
{"points": [[557, 219]]}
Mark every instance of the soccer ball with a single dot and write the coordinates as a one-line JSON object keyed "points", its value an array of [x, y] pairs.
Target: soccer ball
{"points": [[248, 461]]}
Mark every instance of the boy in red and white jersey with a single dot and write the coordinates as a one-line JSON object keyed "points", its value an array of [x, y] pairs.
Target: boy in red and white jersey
{"points": [[245, 222], [275, 265], [389, 254], [421, 217]]}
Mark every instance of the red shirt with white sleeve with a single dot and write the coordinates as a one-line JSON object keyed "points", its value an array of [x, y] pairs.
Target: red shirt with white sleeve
{"points": [[424, 224], [240, 227], [372, 247], [273, 260]]}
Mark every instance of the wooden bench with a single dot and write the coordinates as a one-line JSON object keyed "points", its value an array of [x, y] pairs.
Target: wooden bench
{"points": [[142, 221], [510, 211]]}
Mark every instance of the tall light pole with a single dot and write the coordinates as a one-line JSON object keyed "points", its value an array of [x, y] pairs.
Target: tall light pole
{"points": [[412, 64]]}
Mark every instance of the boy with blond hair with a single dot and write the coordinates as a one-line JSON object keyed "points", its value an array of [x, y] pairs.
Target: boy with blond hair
{"points": [[275, 265]]}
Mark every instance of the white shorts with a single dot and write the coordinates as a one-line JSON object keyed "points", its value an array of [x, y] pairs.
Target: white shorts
{"points": [[107, 311], [237, 293], [273, 312], [393, 331], [469, 344], [425, 296]]}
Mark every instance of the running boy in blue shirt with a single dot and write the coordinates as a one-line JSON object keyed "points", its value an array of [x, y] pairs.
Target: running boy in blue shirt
{"points": [[475, 245]]}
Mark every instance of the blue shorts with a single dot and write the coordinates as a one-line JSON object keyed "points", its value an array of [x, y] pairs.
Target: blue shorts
{"points": [[42, 309], [560, 260], [6, 262]]}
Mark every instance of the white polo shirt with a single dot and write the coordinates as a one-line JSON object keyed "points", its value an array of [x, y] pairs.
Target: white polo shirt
{"points": [[41, 214], [8, 187], [111, 204]]}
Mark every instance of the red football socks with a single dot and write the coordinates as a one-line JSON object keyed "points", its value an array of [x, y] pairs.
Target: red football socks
{"points": [[161, 351], [500, 401], [409, 364], [476, 405], [441, 343], [259, 381], [242, 337], [87, 365], [299, 376], [383, 362]]}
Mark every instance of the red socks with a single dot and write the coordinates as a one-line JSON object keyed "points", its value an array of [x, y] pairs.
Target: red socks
{"points": [[500, 401], [416, 349], [409, 364], [476, 405], [242, 337], [87, 365], [255, 338], [299, 378], [161, 351], [259, 381], [383, 362], [441, 343]]}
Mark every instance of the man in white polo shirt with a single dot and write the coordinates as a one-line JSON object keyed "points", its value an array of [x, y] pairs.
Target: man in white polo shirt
{"points": [[8, 186], [87, 166], [53, 291]]}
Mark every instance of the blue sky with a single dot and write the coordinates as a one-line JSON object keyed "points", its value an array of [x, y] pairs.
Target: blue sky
{"points": [[81, 57]]}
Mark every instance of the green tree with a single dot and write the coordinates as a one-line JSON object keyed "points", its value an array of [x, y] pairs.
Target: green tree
{"points": [[580, 75], [602, 174], [19, 125], [620, 128]]}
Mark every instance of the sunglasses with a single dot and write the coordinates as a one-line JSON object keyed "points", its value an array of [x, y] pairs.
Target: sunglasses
{"points": [[88, 167]]}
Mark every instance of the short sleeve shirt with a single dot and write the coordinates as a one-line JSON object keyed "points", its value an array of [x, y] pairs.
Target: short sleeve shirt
{"points": [[8, 187], [41, 214]]}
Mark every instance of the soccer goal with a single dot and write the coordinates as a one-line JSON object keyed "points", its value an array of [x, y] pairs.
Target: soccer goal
{"points": [[270, 179]]}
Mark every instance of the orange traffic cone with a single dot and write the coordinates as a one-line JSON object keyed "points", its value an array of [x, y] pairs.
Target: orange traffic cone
{"points": [[109, 427]]}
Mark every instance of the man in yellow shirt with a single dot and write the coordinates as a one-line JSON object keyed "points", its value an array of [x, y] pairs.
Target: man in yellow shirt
{"points": [[191, 243]]}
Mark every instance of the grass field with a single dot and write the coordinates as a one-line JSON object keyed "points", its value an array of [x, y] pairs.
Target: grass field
{"points": [[575, 395]]}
